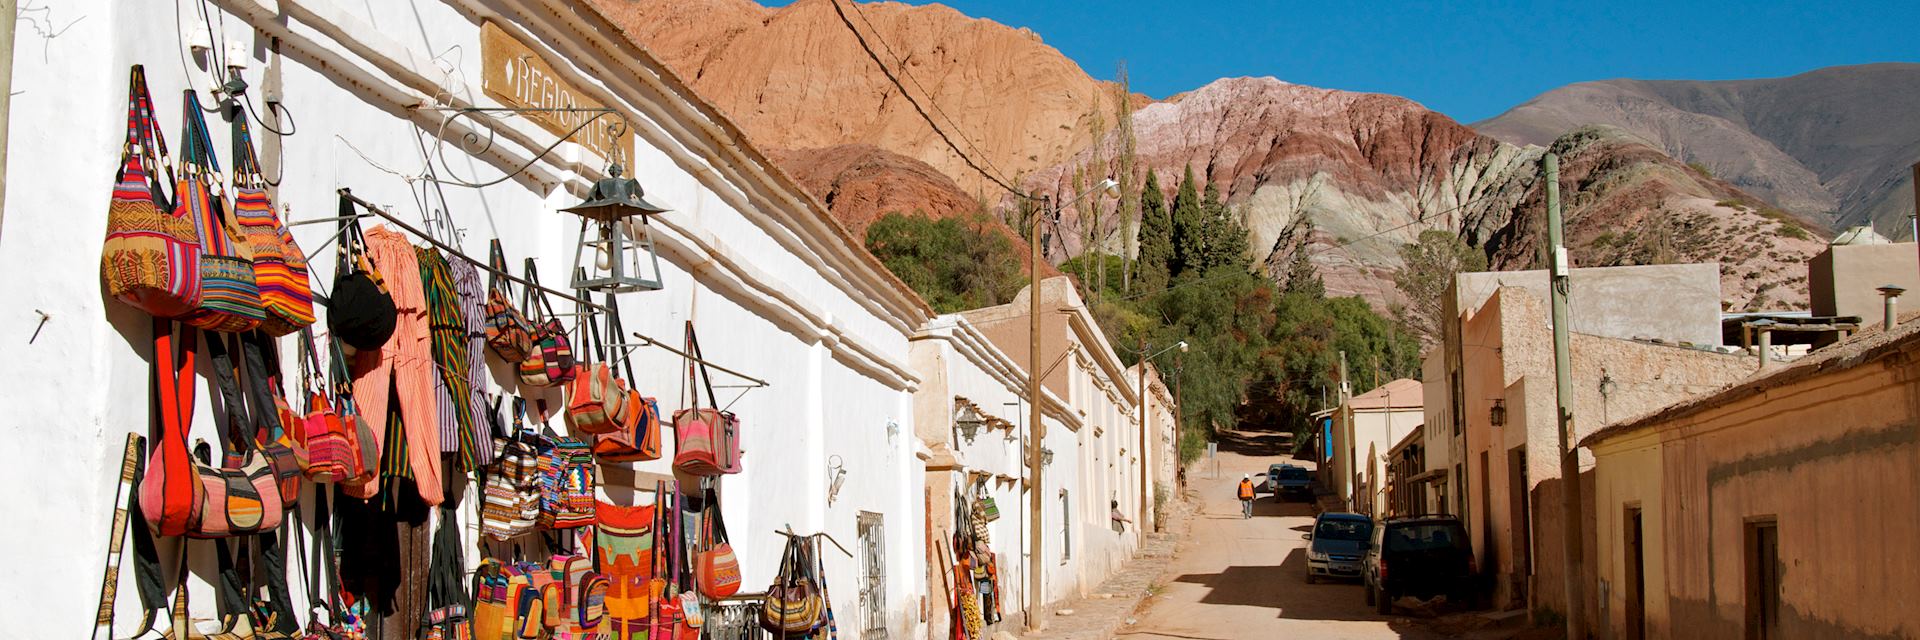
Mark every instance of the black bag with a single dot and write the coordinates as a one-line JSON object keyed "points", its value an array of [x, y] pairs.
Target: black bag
{"points": [[360, 312]]}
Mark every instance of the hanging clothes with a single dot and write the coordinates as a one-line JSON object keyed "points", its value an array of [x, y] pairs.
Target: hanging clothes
{"points": [[453, 388], [404, 367], [472, 292]]}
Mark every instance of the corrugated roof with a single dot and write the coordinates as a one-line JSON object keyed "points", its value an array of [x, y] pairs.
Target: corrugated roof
{"points": [[1869, 345], [1405, 393]]}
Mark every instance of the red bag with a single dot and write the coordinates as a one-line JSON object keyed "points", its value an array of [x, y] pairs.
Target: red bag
{"points": [[170, 490], [550, 361], [718, 571], [330, 453], [595, 397], [637, 438], [706, 440], [151, 256]]}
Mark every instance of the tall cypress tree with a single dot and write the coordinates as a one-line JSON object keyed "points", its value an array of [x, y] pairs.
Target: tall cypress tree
{"points": [[1156, 238], [1189, 229], [1302, 277], [1226, 240]]}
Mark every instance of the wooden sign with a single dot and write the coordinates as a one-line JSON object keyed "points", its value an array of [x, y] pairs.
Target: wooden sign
{"points": [[518, 77]]}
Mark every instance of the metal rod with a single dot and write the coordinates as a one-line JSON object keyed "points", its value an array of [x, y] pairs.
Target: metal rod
{"points": [[332, 219], [484, 266]]}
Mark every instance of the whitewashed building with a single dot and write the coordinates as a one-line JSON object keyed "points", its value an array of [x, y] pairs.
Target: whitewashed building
{"points": [[778, 290]]}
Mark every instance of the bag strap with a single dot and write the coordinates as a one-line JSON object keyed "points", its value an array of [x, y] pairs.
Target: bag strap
{"points": [[175, 372], [533, 299], [146, 144], [717, 523], [699, 361], [273, 562], [130, 468], [246, 164], [615, 331], [262, 363], [199, 144], [225, 372], [497, 265], [591, 347]]}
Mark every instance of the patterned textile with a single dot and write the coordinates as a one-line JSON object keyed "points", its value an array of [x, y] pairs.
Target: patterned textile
{"points": [[566, 485], [624, 541], [453, 389], [229, 296], [151, 257], [279, 268], [404, 368], [471, 289]]}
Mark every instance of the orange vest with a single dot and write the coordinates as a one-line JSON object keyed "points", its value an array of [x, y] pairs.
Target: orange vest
{"points": [[1246, 489]]}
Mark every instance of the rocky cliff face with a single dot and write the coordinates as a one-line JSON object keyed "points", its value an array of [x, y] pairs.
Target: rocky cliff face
{"points": [[1833, 144], [797, 78], [1371, 172]]}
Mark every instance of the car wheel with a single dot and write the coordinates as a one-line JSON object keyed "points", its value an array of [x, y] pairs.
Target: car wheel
{"points": [[1368, 589], [1382, 602]]}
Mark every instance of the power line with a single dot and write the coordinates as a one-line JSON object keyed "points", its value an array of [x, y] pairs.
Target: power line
{"points": [[917, 107]]}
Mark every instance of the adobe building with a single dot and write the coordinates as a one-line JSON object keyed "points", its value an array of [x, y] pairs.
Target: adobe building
{"points": [[1781, 507], [1844, 280]]}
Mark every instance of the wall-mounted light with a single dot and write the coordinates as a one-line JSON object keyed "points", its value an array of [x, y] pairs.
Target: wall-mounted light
{"points": [[893, 429], [1046, 456], [1607, 384], [968, 422], [836, 476], [1498, 415]]}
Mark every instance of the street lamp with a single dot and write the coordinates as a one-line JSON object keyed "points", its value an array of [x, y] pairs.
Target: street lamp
{"points": [[1037, 431]]}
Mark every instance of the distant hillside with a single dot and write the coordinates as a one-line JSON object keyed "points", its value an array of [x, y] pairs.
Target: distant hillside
{"points": [[1372, 171], [1833, 144]]}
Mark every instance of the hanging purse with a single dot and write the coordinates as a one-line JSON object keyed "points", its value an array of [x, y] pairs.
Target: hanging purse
{"points": [[793, 602], [360, 437], [242, 493], [595, 397], [566, 485], [330, 454], [229, 294], [360, 312], [706, 440], [151, 256], [550, 361], [508, 332], [170, 490], [279, 267], [637, 438], [512, 483], [718, 571]]}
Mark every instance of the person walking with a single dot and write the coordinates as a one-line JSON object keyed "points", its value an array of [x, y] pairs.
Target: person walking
{"points": [[1246, 496]]}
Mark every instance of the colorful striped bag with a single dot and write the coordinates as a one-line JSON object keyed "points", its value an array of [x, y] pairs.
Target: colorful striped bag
{"points": [[151, 257], [550, 361], [330, 453], [279, 268], [229, 296], [566, 485], [508, 332], [595, 398]]}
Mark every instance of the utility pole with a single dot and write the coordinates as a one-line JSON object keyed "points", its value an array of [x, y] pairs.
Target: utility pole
{"points": [[1345, 450], [1140, 527], [1563, 387], [1035, 430]]}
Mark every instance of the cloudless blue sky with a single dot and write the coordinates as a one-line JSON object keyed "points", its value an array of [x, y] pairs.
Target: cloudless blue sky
{"points": [[1469, 60]]}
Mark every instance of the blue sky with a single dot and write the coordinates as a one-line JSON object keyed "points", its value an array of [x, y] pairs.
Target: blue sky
{"points": [[1469, 60]]}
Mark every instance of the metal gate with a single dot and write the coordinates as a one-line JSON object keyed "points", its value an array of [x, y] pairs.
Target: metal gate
{"points": [[873, 576]]}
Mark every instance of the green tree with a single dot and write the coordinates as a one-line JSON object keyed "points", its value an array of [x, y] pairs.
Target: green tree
{"points": [[1189, 228], [1302, 277], [1427, 268], [1156, 238], [1226, 240], [955, 263]]}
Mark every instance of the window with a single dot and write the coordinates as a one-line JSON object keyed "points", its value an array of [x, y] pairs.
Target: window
{"points": [[1343, 529], [873, 575], [1763, 579], [1066, 528]]}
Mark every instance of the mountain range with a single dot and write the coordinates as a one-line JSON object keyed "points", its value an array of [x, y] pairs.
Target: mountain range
{"points": [[818, 84]]}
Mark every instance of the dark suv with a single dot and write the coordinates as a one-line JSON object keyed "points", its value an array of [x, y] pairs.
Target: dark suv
{"points": [[1421, 556]]}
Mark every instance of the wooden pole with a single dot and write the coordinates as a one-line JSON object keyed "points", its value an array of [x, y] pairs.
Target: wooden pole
{"points": [[1563, 376], [1035, 430], [1140, 527], [1345, 466]]}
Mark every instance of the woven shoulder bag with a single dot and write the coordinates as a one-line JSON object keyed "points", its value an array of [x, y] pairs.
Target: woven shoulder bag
{"points": [[229, 295], [151, 257], [279, 267], [550, 361]]}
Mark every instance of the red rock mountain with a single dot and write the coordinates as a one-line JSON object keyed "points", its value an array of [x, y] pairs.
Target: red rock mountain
{"points": [[1371, 171]]}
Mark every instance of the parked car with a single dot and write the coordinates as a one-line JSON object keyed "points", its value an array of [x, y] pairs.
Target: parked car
{"points": [[1421, 556], [1337, 542], [1288, 480]]}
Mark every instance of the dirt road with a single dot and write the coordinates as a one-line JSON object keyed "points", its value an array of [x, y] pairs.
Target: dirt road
{"points": [[1246, 578]]}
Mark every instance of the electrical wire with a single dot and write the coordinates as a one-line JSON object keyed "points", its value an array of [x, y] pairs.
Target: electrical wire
{"points": [[920, 109]]}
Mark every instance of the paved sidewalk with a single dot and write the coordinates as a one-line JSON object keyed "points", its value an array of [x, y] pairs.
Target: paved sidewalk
{"points": [[1103, 614]]}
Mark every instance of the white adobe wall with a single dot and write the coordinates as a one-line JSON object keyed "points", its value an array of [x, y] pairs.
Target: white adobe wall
{"points": [[772, 293]]}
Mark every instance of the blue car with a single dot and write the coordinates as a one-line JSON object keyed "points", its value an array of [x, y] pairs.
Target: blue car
{"points": [[1336, 545], [1285, 480]]}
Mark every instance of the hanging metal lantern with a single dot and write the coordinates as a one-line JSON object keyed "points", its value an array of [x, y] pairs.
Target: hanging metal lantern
{"points": [[624, 259]]}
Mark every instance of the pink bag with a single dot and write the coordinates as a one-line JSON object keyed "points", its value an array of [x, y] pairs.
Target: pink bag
{"points": [[706, 440]]}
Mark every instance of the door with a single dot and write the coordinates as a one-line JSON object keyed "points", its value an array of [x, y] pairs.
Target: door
{"points": [[873, 575], [1763, 580], [1636, 583], [1519, 501]]}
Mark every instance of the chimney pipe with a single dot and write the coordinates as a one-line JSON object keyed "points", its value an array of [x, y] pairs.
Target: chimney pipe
{"points": [[1892, 295], [1764, 327]]}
